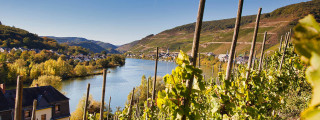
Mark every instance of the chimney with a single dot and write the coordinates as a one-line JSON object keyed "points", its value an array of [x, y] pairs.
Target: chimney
{"points": [[3, 88]]}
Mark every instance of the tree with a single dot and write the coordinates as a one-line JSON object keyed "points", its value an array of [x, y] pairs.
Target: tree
{"points": [[26, 40], [80, 70], [45, 80], [103, 63]]}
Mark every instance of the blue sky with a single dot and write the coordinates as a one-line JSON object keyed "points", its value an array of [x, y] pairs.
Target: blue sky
{"points": [[119, 21]]}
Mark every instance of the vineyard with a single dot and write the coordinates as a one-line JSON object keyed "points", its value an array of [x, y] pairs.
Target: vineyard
{"points": [[278, 86]]}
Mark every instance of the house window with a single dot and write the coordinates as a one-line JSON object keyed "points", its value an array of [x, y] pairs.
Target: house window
{"points": [[27, 114], [57, 108], [43, 117]]}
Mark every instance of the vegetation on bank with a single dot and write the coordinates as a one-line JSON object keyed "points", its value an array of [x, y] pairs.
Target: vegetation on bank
{"points": [[44, 58], [31, 65]]}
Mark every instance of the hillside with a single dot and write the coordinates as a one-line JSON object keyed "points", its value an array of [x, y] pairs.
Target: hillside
{"points": [[128, 46], [15, 37], [95, 46], [216, 36]]}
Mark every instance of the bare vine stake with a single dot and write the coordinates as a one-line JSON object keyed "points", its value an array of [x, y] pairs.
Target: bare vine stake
{"points": [[266, 64], [254, 60], [147, 97], [148, 92], [109, 108], [131, 104], [284, 50], [34, 108], [290, 34], [262, 50], [155, 78], [253, 44], [219, 70], [18, 102], [234, 40], [235, 64], [137, 109], [199, 60], [212, 70], [195, 48], [86, 103], [280, 43], [103, 93]]}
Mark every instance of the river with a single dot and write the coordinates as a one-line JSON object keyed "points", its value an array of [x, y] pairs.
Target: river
{"points": [[120, 81]]}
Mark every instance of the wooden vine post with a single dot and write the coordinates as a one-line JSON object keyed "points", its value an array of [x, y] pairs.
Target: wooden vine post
{"points": [[262, 50], [280, 43], [284, 51], [199, 61], [234, 40], [137, 109], [254, 60], [34, 108], [86, 103], [148, 92], [131, 104], [109, 108], [212, 70], [155, 78], [289, 35], [234, 62], [18, 102], [195, 48], [103, 93], [147, 97], [253, 44]]}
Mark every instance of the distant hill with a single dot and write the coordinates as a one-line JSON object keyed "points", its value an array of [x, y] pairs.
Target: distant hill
{"points": [[216, 36], [95, 46], [127, 47]]}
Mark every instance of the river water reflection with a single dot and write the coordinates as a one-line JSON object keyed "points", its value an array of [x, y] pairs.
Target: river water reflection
{"points": [[120, 81]]}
